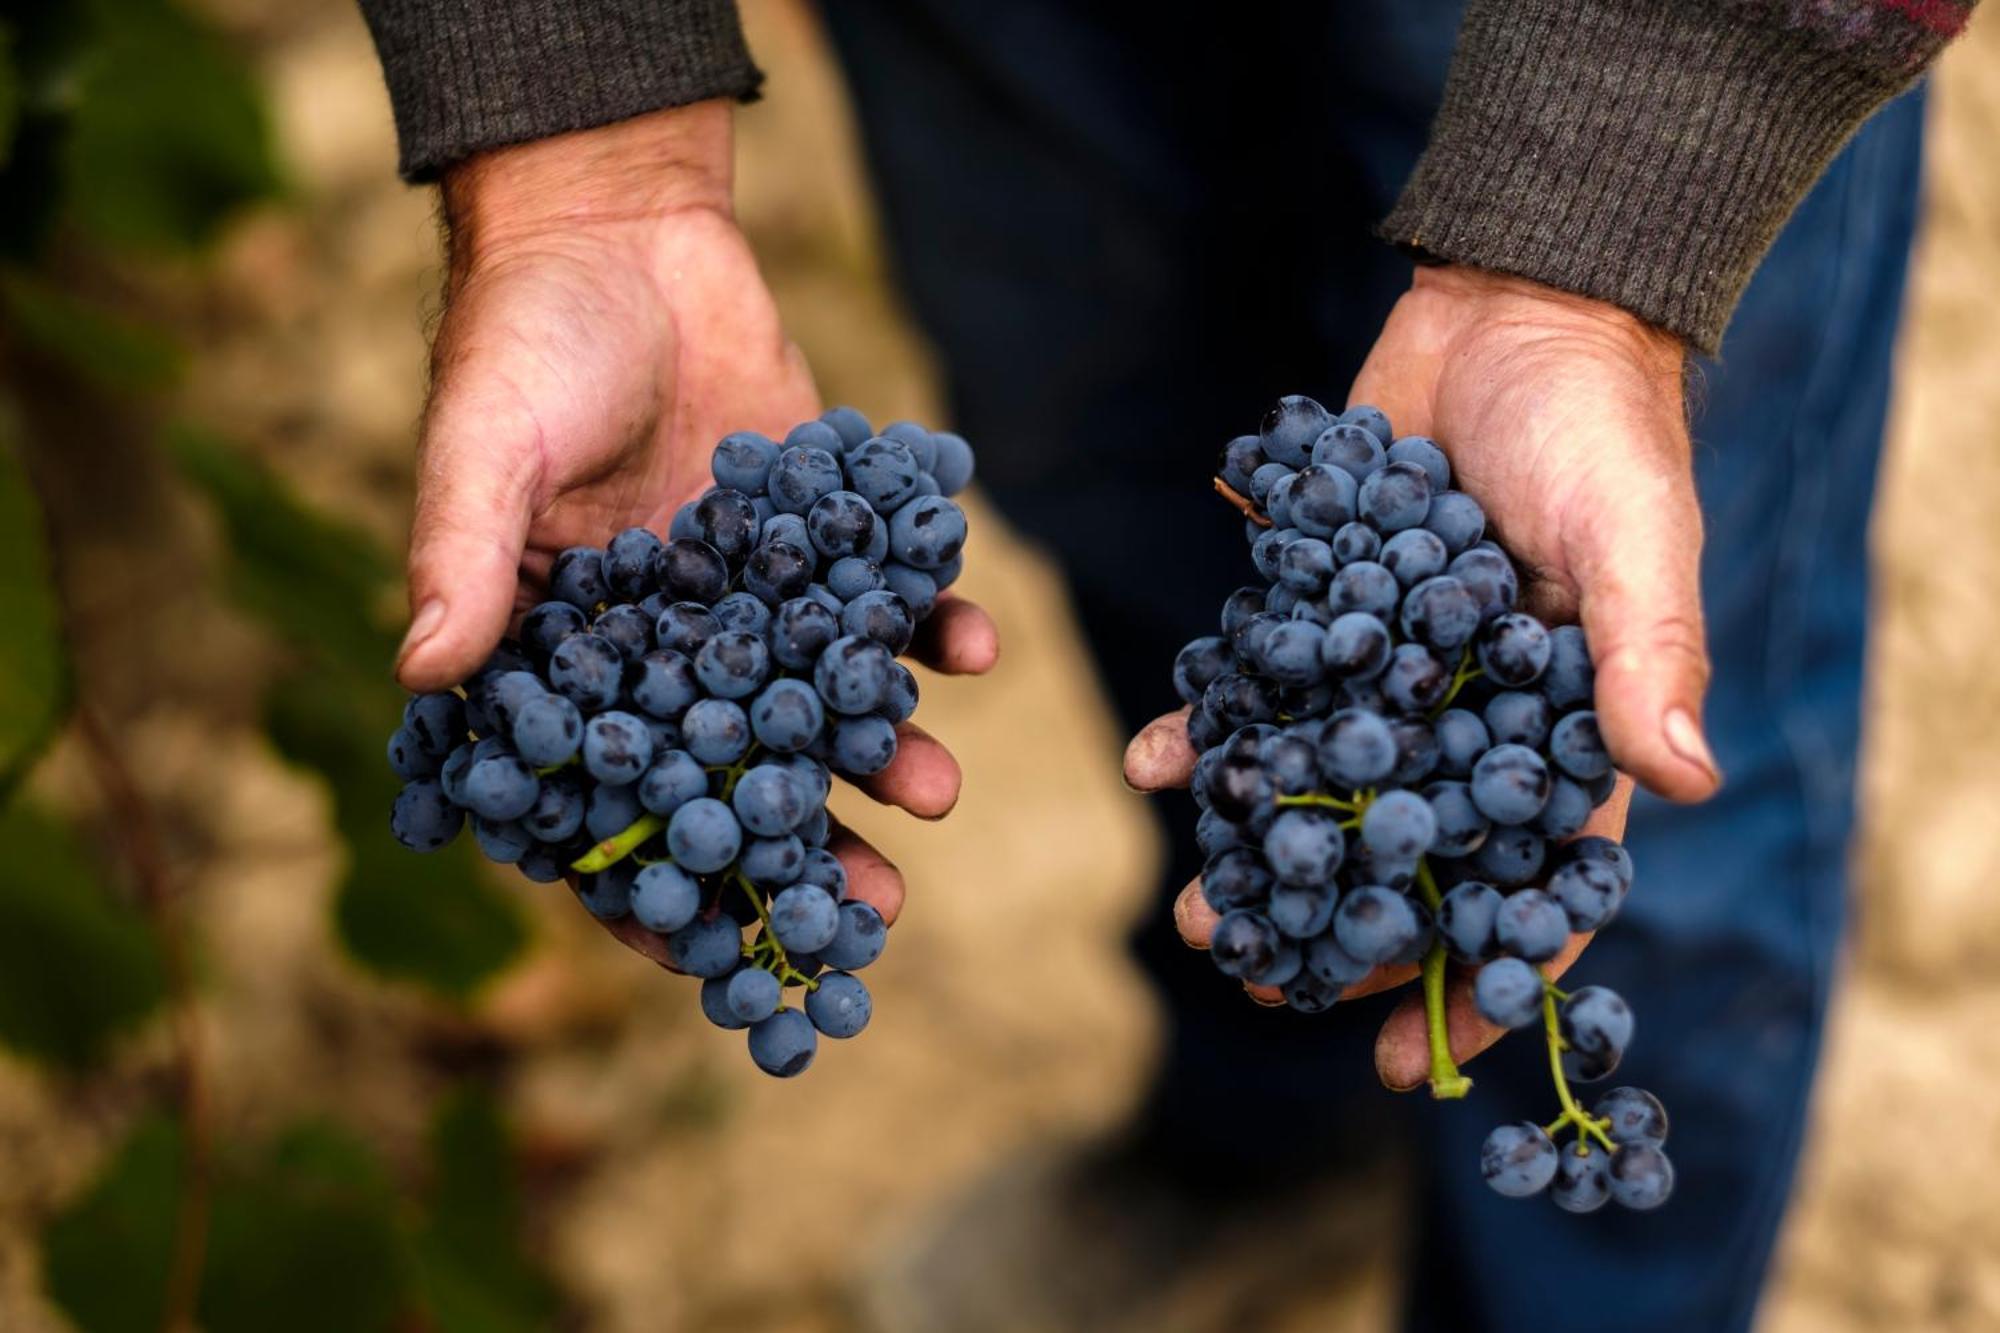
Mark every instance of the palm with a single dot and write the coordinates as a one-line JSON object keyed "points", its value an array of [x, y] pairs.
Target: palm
{"points": [[604, 368]]}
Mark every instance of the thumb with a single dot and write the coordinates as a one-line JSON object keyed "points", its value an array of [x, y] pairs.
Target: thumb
{"points": [[1637, 565], [474, 485]]}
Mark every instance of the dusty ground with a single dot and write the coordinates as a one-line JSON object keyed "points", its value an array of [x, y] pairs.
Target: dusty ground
{"points": [[996, 1041]]}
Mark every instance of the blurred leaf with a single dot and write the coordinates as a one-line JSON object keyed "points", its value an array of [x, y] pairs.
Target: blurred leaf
{"points": [[105, 1256], [168, 134], [113, 354], [432, 919], [305, 1240], [76, 967], [10, 92], [474, 1273], [34, 674], [312, 578]]}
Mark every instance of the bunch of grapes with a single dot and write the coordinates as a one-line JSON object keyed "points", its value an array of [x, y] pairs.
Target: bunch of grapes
{"points": [[666, 727], [1395, 765]]}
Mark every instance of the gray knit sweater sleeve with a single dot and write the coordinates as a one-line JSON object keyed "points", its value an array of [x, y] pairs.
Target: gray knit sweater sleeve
{"points": [[466, 75], [1646, 152]]}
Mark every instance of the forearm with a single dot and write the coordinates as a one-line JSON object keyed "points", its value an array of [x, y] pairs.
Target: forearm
{"points": [[464, 78], [1646, 152]]}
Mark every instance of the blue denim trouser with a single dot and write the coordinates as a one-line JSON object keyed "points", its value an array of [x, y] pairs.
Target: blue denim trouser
{"points": [[1126, 234]]}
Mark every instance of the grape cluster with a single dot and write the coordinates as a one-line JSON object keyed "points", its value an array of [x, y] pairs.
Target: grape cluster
{"points": [[1395, 766], [666, 727]]}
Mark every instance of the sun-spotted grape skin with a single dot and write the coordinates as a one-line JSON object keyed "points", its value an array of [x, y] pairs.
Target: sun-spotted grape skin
{"points": [[666, 728]]}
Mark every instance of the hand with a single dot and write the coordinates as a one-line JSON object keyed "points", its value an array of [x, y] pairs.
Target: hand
{"points": [[1565, 418], [605, 324]]}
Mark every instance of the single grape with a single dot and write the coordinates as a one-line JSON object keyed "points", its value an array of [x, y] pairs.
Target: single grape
{"points": [[1596, 1022], [839, 1006], [841, 524], [1400, 825], [1489, 575], [742, 461], [1394, 497], [1354, 543], [500, 787], [409, 759], [1237, 878], [849, 425], [1376, 924], [1566, 812], [423, 818], [1353, 449], [1641, 1176], [852, 675], [783, 1045], [1367, 586], [1415, 680], [1304, 846], [1466, 918], [1510, 784], [1569, 679], [1518, 1160], [1583, 1178], [1356, 750], [778, 571], [606, 895], [664, 683], [1636, 1116], [728, 521], [609, 811], [1510, 856], [1441, 613], [577, 577], [954, 462], [616, 747], [1461, 828], [800, 477], [716, 731], [1457, 520], [1356, 645], [859, 939], [558, 810], [664, 897], [1302, 912], [1531, 926], [1508, 993], [882, 616], [884, 472], [704, 835], [588, 670], [706, 947], [1577, 746], [1588, 891]]}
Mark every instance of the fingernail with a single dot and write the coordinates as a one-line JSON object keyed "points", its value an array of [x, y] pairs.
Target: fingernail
{"points": [[422, 626], [1684, 738]]}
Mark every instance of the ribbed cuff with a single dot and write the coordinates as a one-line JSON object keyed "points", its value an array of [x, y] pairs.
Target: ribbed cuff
{"points": [[464, 77], [1643, 152]]}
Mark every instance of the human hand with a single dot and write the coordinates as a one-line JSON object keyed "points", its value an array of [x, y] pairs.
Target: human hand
{"points": [[1565, 418], [605, 324]]}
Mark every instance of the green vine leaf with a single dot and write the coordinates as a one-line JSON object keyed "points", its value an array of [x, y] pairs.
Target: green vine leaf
{"points": [[34, 669]]}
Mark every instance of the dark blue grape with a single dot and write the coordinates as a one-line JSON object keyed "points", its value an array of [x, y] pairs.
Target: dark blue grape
{"points": [[839, 1006], [1462, 738], [899, 700], [685, 626], [409, 759], [1636, 1116], [1265, 478], [1588, 891], [850, 576], [1304, 846], [1510, 784], [1518, 1160], [786, 716], [1292, 760], [1414, 555], [436, 720], [800, 631], [753, 994], [850, 425], [777, 572], [1565, 813], [1333, 965], [628, 628], [1394, 497], [663, 683], [714, 994], [800, 477], [1569, 679], [691, 571], [1302, 911], [1577, 746], [628, 563], [1238, 878], [617, 747], [863, 746], [1374, 924], [1399, 825], [1416, 751], [769, 801], [823, 868], [1489, 576], [728, 521], [1356, 749], [703, 835], [674, 779], [1269, 546], [1457, 520], [1370, 419], [918, 589], [742, 461], [1510, 856], [1365, 586], [884, 472], [1322, 501], [609, 811], [1461, 828], [706, 948], [1199, 663], [1603, 850], [1290, 428], [1583, 1178], [558, 810], [772, 863], [1244, 943], [1241, 458], [1306, 566], [423, 818], [1291, 653], [805, 918], [881, 616], [954, 462], [1508, 993], [927, 533], [577, 577], [852, 675], [606, 895], [1641, 1176], [732, 665], [500, 787], [664, 897], [742, 613], [1352, 449], [1515, 649], [1517, 717], [1596, 1022], [859, 940], [783, 1045], [1356, 542], [543, 628], [504, 693], [1415, 680], [1466, 920], [1531, 926], [1441, 613], [1425, 454]]}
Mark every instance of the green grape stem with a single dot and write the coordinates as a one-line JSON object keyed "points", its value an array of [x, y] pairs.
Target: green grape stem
{"points": [[1587, 1126], [619, 846], [1447, 1083]]}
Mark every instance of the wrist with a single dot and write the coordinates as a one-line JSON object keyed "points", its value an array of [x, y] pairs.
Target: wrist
{"points": [[1505, 298], [633, 171]]}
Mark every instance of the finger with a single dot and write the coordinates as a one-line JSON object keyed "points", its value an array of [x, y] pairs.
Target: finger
{"points": [[475, 478], [871, 878], [1160, 755], [923, 778], [958, 639], [1194, 918], [1636, 557], [1402, 1048]]}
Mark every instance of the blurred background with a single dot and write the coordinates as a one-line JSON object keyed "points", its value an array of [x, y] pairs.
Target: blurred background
{"points": [[259, 1065]]}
